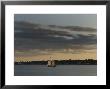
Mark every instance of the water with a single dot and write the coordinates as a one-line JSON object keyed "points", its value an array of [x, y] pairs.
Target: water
{"points": [[59, 70]]}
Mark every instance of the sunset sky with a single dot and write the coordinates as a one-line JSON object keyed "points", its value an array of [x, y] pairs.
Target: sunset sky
{"points": [[59, 36]]}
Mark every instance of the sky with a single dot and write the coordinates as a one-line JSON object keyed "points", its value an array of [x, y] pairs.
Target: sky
{"points": [[55, 36], [83, 20]]}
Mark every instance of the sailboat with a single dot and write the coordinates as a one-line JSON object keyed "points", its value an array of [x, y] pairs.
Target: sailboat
{"points": [[51, 63]]}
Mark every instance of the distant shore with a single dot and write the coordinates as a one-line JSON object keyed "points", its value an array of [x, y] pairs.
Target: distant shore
{"points": [[60, 62]]}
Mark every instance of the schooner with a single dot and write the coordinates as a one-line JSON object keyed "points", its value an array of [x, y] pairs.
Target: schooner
{"points": [[51, 63]]}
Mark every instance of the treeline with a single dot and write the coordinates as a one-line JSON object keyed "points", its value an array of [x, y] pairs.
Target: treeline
{"points": [[77, 62], [31, 62], [61, 62]]}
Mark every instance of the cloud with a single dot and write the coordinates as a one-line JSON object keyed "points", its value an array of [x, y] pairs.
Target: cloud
{"points": [[30, 36]]}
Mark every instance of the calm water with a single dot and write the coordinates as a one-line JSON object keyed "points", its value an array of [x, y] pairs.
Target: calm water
{"points": [[59, 70]]}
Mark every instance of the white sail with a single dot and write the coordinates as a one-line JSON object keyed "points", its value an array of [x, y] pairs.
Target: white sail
{"points": [[51, 63]]}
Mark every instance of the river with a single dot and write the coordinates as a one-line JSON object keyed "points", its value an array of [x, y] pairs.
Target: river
{"points": [[59, 70]]}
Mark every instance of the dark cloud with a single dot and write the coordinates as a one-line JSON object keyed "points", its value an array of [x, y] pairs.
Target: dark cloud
{"points": [[75, 28], [35, 36], [82, 29]]}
